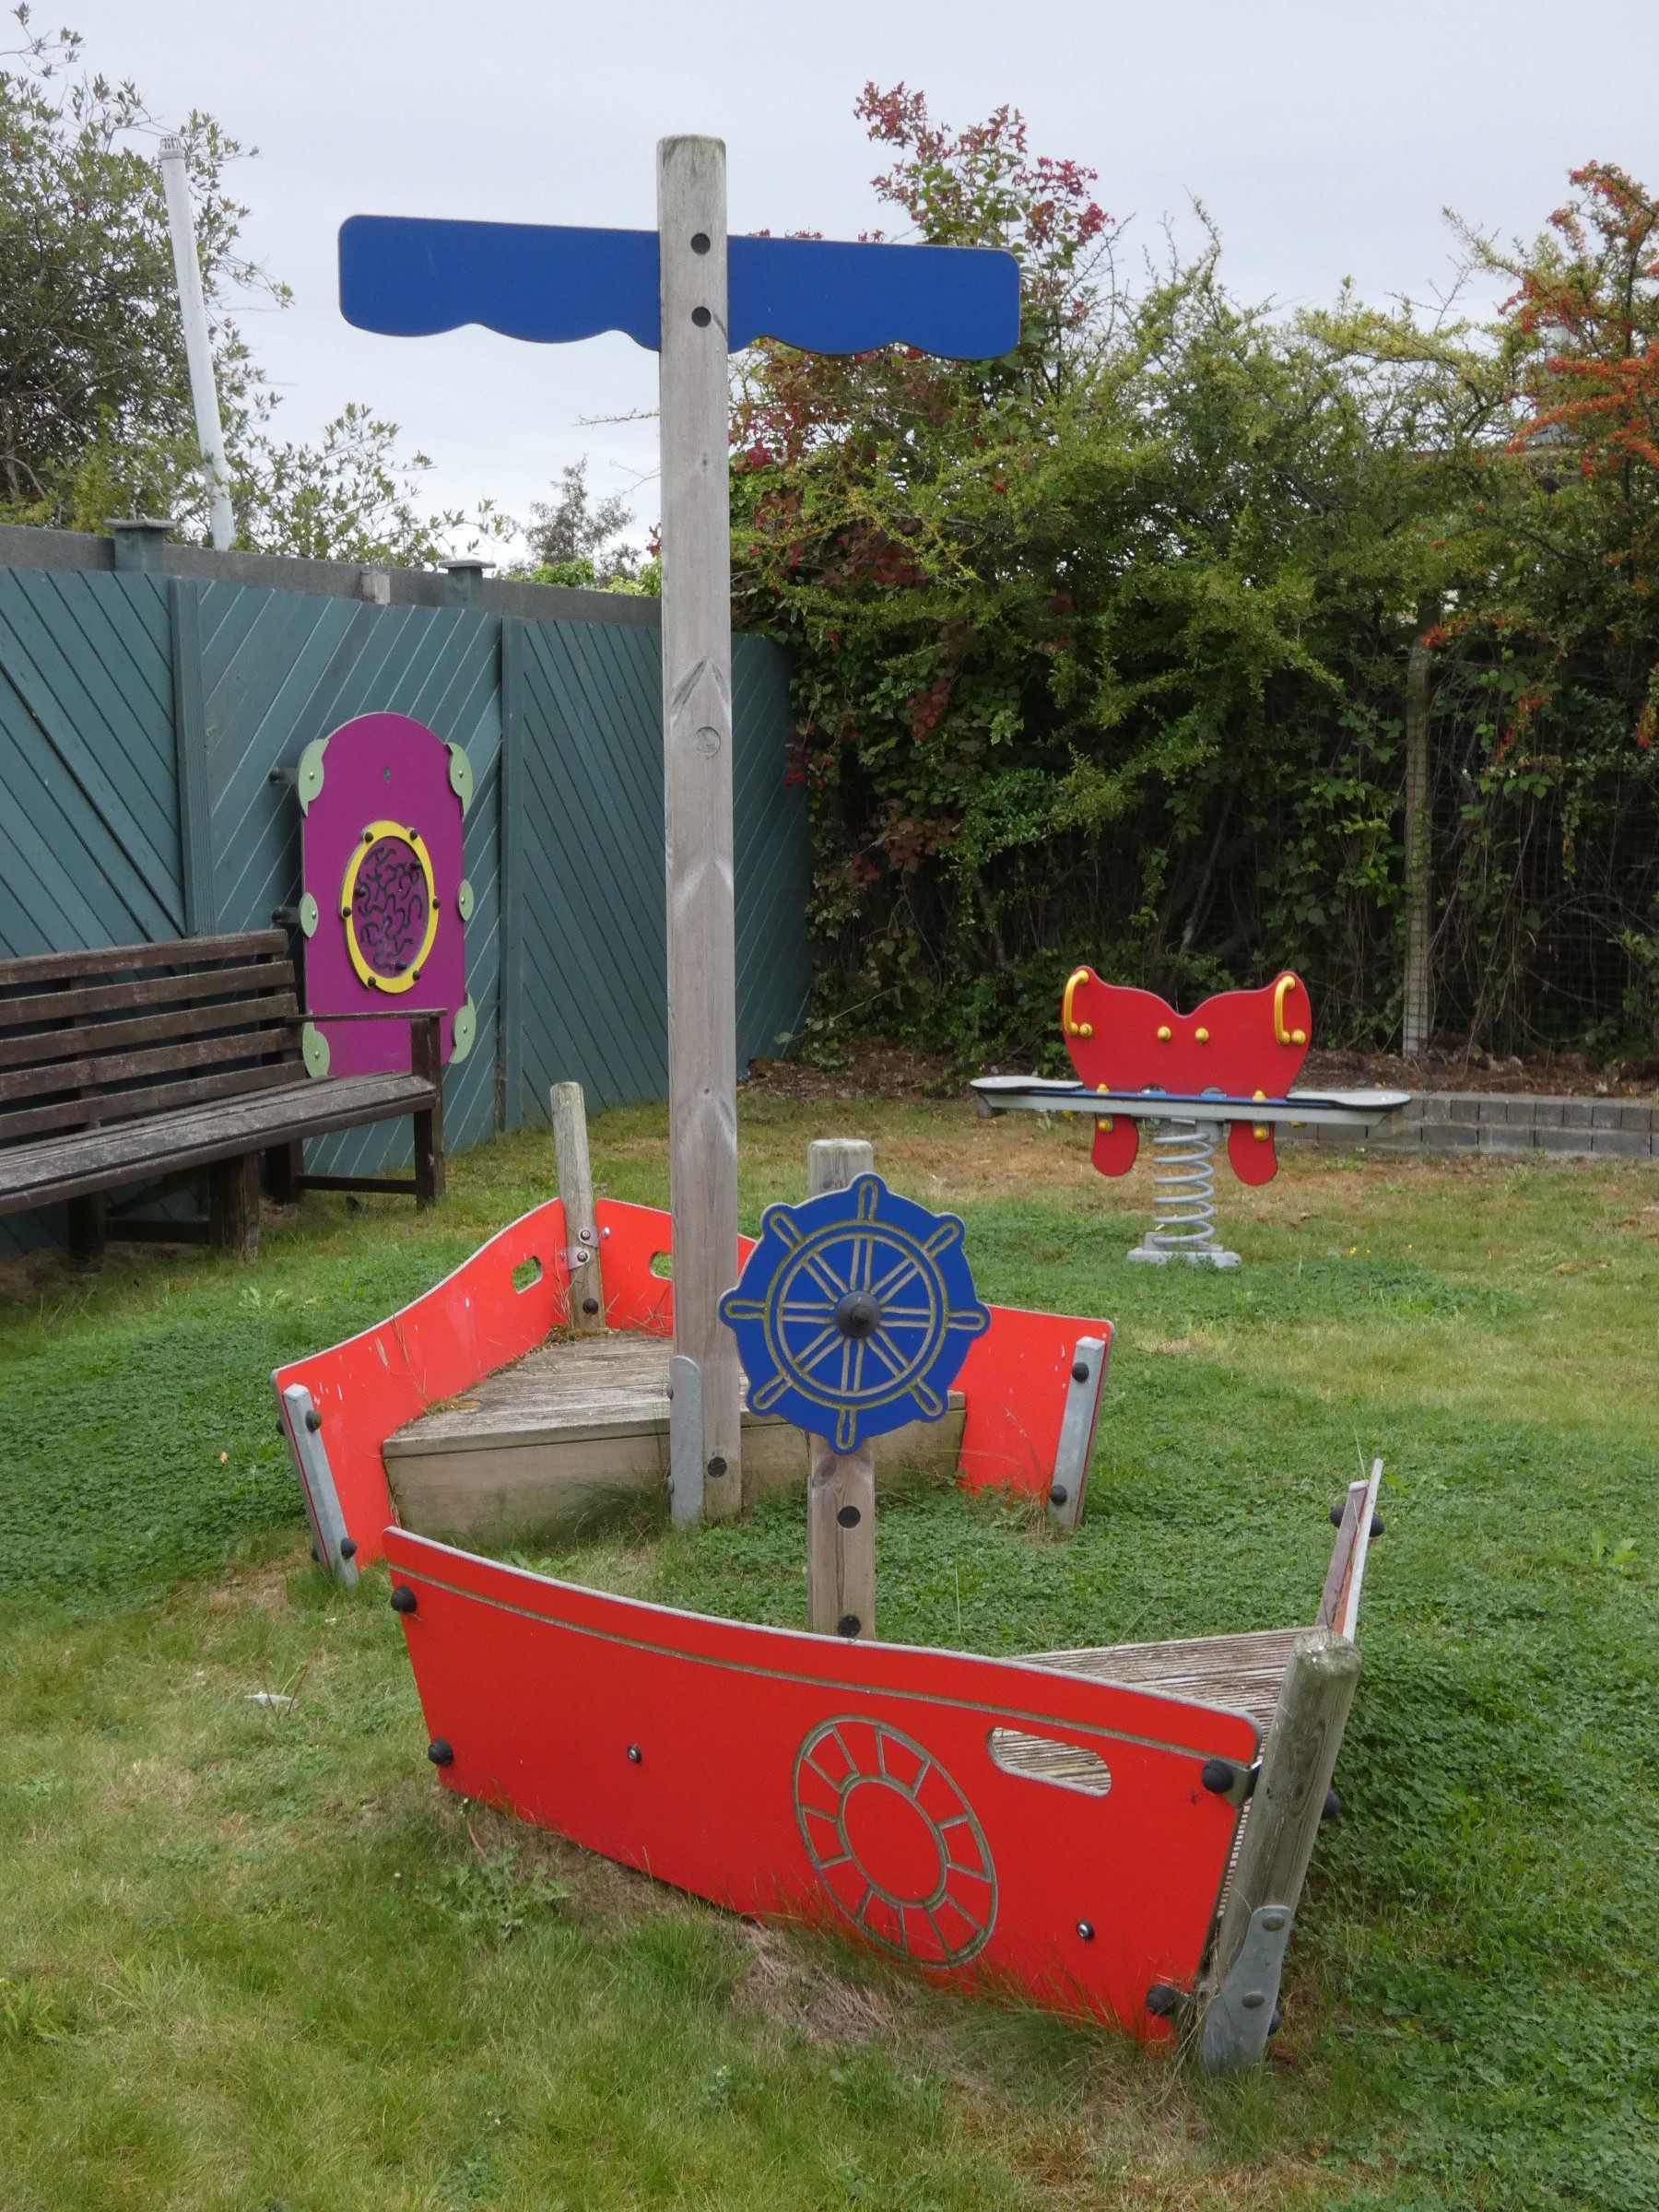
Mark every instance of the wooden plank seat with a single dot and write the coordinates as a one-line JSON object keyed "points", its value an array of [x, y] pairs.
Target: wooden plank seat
{"points": [[530, 1450], [162, 1064], [1242, 1673]]}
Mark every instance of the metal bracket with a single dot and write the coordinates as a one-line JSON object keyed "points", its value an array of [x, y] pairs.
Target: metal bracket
{"points": [[684, 1441], [330, 1537], [1084, 1391], [1239, 2015]]}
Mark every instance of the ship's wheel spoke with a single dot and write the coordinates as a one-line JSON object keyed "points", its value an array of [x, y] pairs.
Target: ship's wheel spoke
{"points": [[802, 1360]]}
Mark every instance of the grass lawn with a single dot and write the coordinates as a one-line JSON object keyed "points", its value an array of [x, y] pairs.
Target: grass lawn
{"points": [[251, 1956]]}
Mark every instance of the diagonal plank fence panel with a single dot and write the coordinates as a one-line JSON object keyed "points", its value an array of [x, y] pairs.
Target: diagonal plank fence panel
{"points": [[154, 704]]}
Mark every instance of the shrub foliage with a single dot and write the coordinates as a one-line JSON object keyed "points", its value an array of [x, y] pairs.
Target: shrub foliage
{"points": [[1101, 647]]}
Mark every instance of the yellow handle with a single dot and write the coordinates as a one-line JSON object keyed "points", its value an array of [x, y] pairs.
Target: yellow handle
{"points": [[1280, 1034], [1068, 1027]]}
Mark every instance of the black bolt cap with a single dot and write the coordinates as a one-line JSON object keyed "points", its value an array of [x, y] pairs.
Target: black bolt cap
{"points": [[590, 1305], [717, 1465], [1163, 1999], [1058, 1493], [1277, 2022], [848, 1625], [349, 1547], [440, 1751], [1085, 1930], [634, 1755], [1332, 1808], [848, 1516], [701, 317], [1219, 1776], [856, 1313], [1080, 1370], [402, 1599], [1377, 1528], [313, 1419]]}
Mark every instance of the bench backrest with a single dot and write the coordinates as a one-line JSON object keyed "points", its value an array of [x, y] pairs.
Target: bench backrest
{"points": [[127, 1030]]}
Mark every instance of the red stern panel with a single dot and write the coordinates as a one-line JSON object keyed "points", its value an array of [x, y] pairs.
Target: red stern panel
{"points": [[853, 1785]]}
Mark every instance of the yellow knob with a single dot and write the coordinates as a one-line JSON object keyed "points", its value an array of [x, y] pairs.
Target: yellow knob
{"points": [[1202, 1035], [1163, 1034], [1103, 1121], [1261, 1133], [1298, 1036], [1258, 1094]]}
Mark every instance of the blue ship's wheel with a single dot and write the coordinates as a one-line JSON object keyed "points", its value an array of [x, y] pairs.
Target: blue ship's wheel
{"points": [[854, 1312]]}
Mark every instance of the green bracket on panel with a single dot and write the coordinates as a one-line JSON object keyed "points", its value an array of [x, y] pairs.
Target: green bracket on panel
{"points": [[310, 778], [464, 1028], [313, 1045], [461, 775]]}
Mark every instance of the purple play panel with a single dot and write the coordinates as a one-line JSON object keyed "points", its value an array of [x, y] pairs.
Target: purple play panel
{"points": [[382, 836]]}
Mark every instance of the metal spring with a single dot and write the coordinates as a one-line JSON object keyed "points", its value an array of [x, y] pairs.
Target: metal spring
{"points": [[1183, 1185]]}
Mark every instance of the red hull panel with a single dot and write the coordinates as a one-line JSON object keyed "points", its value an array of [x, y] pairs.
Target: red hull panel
{"points": [[477, 1320], [1015, 1379], [850, 1784], [464, 1328]]}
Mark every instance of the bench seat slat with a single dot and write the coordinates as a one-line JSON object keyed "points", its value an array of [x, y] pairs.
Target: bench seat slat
{"points": [[69, 1115], [44, 1047], [123, 960], [198, 988], [179, 1054], [66, 1167]]}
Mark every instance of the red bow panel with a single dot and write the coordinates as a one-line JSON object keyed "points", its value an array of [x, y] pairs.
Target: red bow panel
{"points": [[1243, 1043]]}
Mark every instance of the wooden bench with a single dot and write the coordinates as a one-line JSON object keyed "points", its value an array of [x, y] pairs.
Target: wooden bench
{"points": [[170, 1064]]}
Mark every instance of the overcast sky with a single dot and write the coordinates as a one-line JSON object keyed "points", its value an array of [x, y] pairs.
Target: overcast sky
{"points": [[1325, 139]]}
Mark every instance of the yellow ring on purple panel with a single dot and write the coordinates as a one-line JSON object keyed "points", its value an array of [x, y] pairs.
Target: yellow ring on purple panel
{"points": [[377, 833]]}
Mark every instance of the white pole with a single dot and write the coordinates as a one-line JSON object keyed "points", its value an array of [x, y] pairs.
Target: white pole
{"points": [[697, 761], [198, 351]]}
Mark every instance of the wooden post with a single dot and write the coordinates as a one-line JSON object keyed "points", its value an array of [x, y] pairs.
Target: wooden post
{"points": [[1288, 1802], [1417, 1009], [233, 1206], [835, 1163], [696, 782], [426, 1047], [581, 1230], [87, 1225], [841, 1541], [841, 1485]]}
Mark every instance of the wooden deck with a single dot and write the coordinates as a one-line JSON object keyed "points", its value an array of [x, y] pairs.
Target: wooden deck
{"points": [[539, 1446], [1242, 1673]]}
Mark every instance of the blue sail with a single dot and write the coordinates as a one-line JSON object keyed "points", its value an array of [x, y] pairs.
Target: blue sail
{"points": [[409, 277]]}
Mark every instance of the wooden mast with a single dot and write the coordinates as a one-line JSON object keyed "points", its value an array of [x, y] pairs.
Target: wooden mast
{"points": [[697, 759]]}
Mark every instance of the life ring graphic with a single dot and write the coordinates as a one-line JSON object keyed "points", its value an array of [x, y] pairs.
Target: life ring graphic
{"points": [[894, 1842]]}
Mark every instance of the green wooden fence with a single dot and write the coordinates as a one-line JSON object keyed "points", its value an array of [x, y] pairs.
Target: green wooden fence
{"points": [[154, 700]]}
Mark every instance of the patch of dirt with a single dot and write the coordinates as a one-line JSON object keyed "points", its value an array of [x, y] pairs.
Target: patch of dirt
{"points": [[1548, 1075], [874, 1070], [261, 1589]]}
